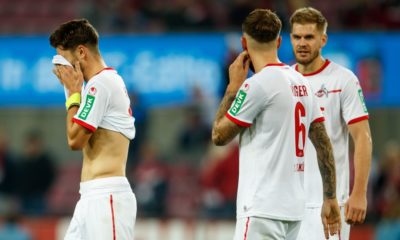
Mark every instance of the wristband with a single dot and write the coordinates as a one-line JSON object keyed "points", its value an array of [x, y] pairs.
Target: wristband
{"points": [[73, 100]]}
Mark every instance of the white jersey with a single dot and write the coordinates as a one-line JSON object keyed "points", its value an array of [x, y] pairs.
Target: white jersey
{"points": [[105, 104], [340, 96], [277, 107]]}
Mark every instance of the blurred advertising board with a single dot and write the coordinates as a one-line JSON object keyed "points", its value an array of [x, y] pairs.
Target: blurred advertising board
{"points": [[171, 69]]}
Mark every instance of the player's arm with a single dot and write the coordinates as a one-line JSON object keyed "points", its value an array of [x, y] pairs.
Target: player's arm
{"points": [[357, 205], [72, 79], [224, 130], [330, 212], [326, 162], [77, 136]]}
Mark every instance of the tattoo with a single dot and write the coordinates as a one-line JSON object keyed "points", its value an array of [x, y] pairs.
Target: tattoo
{"points": [[326, 161], [223, 134], [226, 102]]}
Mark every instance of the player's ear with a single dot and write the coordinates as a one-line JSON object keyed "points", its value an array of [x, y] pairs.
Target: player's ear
{"points": [[81, 52], [278, 42], [244, 43], [324, 39]]}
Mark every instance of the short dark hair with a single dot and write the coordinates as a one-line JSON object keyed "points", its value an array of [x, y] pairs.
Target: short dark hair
{"points": [[71, 34], [309, 15], [262, 25]]}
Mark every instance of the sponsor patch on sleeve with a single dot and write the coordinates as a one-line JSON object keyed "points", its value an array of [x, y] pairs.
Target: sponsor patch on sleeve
{"points": [[237, 105], [88, 106], [361, 96]]}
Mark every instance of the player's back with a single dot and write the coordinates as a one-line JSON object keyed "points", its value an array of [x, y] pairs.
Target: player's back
{"points": [[279, 110]]}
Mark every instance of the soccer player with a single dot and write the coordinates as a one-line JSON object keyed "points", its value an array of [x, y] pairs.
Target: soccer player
{"points": [[340, 97], [99, 122], [273, 112]]}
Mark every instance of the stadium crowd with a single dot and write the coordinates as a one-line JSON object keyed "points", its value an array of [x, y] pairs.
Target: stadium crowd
{"points": [[133, 16]]}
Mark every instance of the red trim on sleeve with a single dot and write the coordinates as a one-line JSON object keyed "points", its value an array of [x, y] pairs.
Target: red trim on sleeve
{"points": [[355, 120], [84, 124], [113, 218], [238, 122], [316, 72], [320, 119]]}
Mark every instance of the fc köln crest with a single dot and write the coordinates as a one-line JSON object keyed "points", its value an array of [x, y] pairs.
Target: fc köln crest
{"points": [[92, 91], [323, 91]]}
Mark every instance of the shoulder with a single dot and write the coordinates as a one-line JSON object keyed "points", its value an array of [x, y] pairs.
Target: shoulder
{"points": [[342, 71], [274, 72]]}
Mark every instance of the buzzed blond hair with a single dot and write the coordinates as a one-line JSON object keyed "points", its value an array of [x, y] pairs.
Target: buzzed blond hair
{"points": [[308, 15]]}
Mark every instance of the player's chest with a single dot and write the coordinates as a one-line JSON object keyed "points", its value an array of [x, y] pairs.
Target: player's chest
{"points": [[328, 92]]}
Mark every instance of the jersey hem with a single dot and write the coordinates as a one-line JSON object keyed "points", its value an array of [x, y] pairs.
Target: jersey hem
{"points": [[84, 124], [237, 121], [359, 119], [271, 216]]}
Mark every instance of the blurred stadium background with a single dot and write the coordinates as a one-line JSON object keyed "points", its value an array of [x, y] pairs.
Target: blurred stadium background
{"points": [[173, 56]]}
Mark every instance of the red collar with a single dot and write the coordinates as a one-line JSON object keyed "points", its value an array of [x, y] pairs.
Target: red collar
{"points": [[274, 64], [316, 72], [106, 68]]}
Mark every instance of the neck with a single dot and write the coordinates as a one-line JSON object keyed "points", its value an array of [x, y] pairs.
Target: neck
{"points": [[261, 59], [311, 67], [93, 67]]}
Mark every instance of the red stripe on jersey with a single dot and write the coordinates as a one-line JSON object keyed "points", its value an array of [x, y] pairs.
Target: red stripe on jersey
{"points": [[84, 124], [238, 122], [335, 91], [320, 119], [355, 120], [316, 72], [113, 219], [247, 228]]}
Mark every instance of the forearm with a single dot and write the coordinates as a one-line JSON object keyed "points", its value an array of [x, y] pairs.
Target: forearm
{"points": [[326, 161], [362, 164], [221, 135], [71, 130]]}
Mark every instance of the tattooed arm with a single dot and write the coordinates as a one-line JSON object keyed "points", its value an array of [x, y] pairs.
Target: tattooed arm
{"points": [[224, 130], [330, 212], [326, 162]]}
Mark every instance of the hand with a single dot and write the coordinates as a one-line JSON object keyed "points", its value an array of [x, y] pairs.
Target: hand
{"points": [[238, 70], [330, 214], [71, 78], [355, 208]]}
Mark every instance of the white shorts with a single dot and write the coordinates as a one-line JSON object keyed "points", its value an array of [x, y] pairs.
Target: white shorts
{"points": [[106, 210], [312, 228], [256, 228]]}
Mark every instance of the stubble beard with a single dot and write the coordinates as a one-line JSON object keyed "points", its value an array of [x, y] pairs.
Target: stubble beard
{"points": [[307, 61]]}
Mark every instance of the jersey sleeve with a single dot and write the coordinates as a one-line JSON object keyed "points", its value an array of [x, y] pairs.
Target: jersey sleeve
{"points": [[94, 103], [249, 102], [352, 100]]}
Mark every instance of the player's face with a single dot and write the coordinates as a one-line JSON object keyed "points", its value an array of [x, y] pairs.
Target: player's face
{"points": [[67, 54], [307, 42]]}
